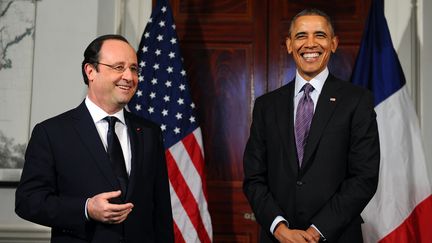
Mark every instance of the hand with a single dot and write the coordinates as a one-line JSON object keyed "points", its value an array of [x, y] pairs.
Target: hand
{"points": [[314, 233], [100, 209], [286, 235]]}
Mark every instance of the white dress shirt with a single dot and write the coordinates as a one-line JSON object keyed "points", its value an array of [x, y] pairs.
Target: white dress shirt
{"points": [[98, 116]]}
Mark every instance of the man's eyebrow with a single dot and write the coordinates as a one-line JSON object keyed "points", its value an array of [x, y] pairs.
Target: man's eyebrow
{"points": [[300, 33], [321, 32]]}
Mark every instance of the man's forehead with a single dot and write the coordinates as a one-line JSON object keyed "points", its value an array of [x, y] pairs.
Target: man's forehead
{"points": [[311, 23], [117, 48], [116, 44], [311, 19]]}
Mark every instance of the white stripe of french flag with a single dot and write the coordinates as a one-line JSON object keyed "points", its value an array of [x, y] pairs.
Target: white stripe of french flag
{"points": [[401, 210]]}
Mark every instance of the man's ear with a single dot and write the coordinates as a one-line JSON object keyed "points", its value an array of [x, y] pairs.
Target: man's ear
{"points": [[288, 45], [90, 71], [335, 42]]}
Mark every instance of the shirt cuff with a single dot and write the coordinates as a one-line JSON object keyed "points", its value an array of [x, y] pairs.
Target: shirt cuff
{"points": [[322, 236], [276, 221], [85, 210]]}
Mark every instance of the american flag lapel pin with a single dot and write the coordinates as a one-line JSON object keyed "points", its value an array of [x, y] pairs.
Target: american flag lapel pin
{"points": [[332, 99]]}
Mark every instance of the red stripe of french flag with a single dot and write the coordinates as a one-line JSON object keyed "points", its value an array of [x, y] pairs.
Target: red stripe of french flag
{"points": [[416, 228]]}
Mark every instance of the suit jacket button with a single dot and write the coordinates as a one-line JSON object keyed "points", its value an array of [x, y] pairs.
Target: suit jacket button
{"points": [[299, 183]]}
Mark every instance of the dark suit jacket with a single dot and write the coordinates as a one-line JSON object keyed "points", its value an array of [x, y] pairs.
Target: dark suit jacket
{"points": [[339, 174], [66, 163]]}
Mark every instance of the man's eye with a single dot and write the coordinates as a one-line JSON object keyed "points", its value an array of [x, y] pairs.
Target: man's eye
{"points": [[134, 69], [119, 68], [321, 35]]}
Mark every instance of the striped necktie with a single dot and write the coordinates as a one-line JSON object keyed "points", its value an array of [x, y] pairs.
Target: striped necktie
{"points": [[305, 110]]}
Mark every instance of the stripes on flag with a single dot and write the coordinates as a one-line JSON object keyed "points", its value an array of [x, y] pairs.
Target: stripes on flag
{"points": [[163, 97], [401, 210]]}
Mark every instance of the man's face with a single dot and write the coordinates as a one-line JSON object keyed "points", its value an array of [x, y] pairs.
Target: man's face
{"points": [[111, 89], [311, 42]]}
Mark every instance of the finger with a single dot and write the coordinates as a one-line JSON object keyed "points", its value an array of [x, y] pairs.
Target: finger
{"points": [[114, 215], [116, 219], [307, 237], [109, 195], [120, 207], [119, 218]]}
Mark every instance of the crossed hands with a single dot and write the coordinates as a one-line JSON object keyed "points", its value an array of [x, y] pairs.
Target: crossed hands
{"points": [[100, 209], [286, 235]]}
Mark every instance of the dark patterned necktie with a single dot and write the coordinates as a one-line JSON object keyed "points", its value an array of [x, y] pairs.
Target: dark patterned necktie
{"points": [[115, 154], [305, 110]]}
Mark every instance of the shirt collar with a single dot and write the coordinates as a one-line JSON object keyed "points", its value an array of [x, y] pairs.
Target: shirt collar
{"points": [[98, 114], [317, 82]]}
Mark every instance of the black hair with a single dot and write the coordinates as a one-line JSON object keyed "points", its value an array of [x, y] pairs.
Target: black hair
{"points": [[91, 53], [312, 12]]}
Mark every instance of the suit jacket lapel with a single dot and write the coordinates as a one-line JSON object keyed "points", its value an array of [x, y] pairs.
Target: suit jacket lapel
{"points": [[136, 141], [139, 135], [285, 120], [327, 102], [86, 129]]}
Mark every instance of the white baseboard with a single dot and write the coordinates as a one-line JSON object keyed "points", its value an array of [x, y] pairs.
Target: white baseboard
{"points": [[10, 234]]}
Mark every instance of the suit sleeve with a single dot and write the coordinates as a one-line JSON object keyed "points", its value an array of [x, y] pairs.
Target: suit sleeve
{"points": [[255, 184], [37, 198], [163, 217], [362, 173]]}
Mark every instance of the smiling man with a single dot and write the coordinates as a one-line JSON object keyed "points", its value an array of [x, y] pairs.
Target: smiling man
{"points": [[312, 159], [97, 173]]}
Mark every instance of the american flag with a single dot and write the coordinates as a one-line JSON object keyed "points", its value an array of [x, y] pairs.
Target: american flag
{"points": [[163, 96]]}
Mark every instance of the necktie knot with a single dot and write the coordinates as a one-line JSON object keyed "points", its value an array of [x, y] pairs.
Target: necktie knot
{"points": [[307, 88], [111, 122]]}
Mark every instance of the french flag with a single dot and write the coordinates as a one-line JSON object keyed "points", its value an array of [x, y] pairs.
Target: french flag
{"points": [[401, 210]]}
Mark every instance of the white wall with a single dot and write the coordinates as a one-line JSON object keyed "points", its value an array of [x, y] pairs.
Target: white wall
{"points": [[425, 70], [63, 30]]}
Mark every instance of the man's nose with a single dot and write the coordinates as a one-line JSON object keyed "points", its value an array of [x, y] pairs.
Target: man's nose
{"points": [[128, 74], [310, 41]]}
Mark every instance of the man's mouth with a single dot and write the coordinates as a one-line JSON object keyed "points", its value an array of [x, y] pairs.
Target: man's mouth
{"points": [[124, 86], [311, 56]]}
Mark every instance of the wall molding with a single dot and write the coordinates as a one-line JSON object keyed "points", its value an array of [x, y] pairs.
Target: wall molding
{"points": [[19, 234]]}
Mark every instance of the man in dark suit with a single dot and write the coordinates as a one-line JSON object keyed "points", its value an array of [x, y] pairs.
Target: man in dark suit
{"points": [[312, 159], [69, 181]]}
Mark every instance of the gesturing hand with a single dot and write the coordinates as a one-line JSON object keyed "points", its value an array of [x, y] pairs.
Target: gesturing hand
{"points": [[100, 209]]}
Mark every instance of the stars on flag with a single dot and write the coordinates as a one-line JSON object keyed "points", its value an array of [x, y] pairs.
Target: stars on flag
{"points": [[163, 95], [152, 95]]}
